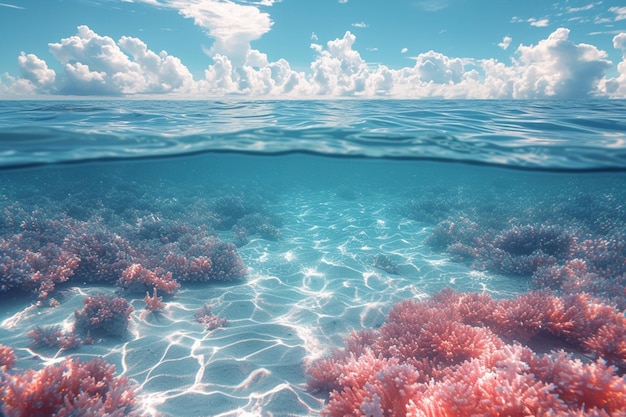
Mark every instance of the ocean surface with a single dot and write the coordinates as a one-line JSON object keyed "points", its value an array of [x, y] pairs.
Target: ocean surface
{"points": [[296, 223]]}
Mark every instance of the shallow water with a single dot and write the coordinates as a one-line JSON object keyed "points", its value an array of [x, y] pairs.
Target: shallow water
{"points": [[315, 277], [567, 135]]}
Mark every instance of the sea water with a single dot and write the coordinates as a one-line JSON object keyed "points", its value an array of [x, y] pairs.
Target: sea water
{"points": [[350, 200]]}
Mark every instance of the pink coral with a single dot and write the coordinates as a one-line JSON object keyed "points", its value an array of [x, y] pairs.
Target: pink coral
{"points": [[154, 303], [137, 278], [7, 357], [210, 320], [103, 314], [68, 389], [440, 358]]}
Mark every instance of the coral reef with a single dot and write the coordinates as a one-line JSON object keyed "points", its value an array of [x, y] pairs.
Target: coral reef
{"points": [[70, 388], [7, 358], [136, 278], [134, 248], [463, 354], [571, 240], [103, 314]]}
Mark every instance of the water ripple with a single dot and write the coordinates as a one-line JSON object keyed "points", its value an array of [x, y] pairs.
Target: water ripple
{"points": [[572, 135]]}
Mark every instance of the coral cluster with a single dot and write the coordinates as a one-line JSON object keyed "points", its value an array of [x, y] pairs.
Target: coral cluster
{"points": [[208, 319], [105, 242], [154, 303], [562, 240], [69, 388], [7, 358], [53, 336], [103, 314], [468, 354]]}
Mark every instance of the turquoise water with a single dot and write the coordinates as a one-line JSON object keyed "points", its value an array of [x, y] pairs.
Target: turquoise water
{"points": [[337, 210], [569, 135]]}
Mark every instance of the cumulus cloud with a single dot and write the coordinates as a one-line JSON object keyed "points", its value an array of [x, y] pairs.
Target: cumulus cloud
{"points": [[404, 50], [232, 26], [434, 67], [506, 42], [96, 64], [35, 71], [257, 78], [339, 69], [557, 67], [616, 87]]}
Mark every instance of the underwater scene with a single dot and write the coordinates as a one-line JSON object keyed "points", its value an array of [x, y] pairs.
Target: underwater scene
{"points": [[306, 258]]}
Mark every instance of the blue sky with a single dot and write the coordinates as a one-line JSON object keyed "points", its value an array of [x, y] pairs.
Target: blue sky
{"points": [[298, 48]]}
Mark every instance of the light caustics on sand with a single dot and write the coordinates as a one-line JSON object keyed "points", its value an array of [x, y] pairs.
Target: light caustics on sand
{"points": [[302, 295]]}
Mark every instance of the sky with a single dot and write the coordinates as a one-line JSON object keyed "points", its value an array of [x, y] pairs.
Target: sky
{"points": [[476, 49]]}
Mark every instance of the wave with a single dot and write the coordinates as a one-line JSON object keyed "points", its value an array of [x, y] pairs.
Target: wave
{"points": [[546, 135]]}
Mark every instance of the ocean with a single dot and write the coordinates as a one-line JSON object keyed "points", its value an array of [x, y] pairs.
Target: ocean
{"points": [[286, 238]]}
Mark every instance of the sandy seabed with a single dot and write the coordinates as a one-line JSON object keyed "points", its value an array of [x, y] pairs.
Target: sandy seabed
{"points": [[303, 294]]}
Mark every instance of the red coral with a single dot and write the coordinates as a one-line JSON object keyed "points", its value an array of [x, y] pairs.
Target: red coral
{"points": [[7, 358], [473, 389], [103, 314], [35, 269], [136, 278], [154, 303], [210, 320], [587, 386], [68, 389], [429, 359]]}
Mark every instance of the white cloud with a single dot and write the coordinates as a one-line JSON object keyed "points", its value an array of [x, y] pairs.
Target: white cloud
{"points": [[540, 23], [36, 71], [95, 64], [436, 68], [339, 70], [616, 87], [343, 1], [581, 8], [506, 42], [12, 6], [620, 12], [359, 25], [556, 67], [233, 26], [404, 50]]}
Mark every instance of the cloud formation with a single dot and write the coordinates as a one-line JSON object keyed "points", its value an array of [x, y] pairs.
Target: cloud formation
{"points": [[540, 23], [232, 26], [616, 87], [506, 42], [93, 64]]}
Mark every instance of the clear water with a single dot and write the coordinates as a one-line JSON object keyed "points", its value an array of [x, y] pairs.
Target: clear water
{"points": [[342, 181], [568, 135]]}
